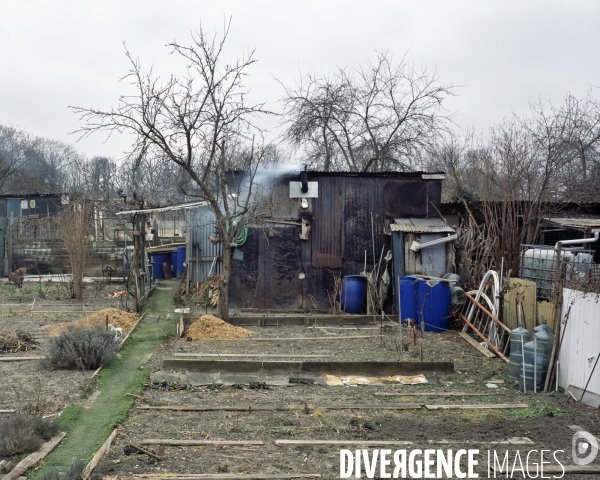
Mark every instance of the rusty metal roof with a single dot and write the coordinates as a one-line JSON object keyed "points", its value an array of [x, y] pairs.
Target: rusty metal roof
{"points": [[590, 221], [420, 225]]}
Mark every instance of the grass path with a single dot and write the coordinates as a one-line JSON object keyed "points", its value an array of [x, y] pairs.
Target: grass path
{"points": [[88, 428]]}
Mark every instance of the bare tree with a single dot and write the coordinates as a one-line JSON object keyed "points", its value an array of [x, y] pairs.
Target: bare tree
{"points": [[194, 121], [379, 116], [75, 222]]}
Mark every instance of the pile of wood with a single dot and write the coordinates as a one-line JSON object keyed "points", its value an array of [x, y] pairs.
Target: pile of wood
{"points": [[117, 318], [209, 327], [17, 341], [208, 293]]}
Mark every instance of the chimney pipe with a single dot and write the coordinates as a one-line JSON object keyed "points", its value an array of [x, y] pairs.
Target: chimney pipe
{"points": [[304, 180]]}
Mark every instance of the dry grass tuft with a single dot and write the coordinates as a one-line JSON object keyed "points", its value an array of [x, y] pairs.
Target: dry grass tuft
{"points": [[117, 318]]}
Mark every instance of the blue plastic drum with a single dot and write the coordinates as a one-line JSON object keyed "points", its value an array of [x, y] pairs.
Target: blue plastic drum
{"points": [[354, 293], [434, 305]]}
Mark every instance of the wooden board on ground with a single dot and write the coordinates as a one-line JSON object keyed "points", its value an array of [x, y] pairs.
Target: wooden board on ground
{"points": [[18, 359], [302, 339], [34, 458], [429, 394], [282, 408], [228, 476], [87, 471], [482, 406], [249, 355], [194, 443], [476, 344], [372, 443]]}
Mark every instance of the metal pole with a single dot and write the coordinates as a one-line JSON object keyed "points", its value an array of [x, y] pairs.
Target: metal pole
{"points": [[523, 365], [534, 364], [373, 240], [399, 314]]}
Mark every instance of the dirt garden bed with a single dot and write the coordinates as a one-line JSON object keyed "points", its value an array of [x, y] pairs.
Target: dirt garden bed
{"points": [[545, 422], [28, 382]]}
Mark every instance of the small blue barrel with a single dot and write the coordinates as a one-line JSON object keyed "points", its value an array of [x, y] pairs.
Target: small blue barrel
{"points": [[434, 305], [173, 261], [409, 297], [354, 293], [158, 259], [180, 260]]}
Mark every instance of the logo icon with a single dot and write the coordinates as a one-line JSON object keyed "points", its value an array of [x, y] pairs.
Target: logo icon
{"points": [[585, 448]]}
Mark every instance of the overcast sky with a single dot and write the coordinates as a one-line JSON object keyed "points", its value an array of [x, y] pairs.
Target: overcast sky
{"points": [[503, 54]]}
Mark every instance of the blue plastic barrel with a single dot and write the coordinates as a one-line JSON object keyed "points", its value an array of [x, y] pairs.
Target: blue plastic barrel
{"points": [[158, 259], [434, 305], [354, 293], [180, 260], [409, 297], [173, 261]]}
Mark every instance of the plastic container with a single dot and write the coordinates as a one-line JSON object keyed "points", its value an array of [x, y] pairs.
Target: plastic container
{"points": [[526, 382], [180, 260], [158, 259], [433, 305], [409, 297], [515, 364], [516, 335], [354, 293]]}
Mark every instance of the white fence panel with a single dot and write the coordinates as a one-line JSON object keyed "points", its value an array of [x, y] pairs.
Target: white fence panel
{"points": [[581, 342]]}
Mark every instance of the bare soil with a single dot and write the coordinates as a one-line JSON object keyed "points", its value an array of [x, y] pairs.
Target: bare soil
{"points": [[545, 422], [25, 384]]}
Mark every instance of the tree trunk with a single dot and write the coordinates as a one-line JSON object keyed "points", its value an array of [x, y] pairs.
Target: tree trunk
{"points": [[224, 284]]}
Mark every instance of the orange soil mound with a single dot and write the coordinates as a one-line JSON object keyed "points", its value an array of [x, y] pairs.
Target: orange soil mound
{"points": [[209, 327], [117, 318]]}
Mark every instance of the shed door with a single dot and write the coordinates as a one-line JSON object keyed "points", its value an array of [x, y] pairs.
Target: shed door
{"points": [[433, 259]]}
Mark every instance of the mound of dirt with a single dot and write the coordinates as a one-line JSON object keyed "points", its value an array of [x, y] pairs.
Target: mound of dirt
{"points": [[209, 327], [117, 318], [18, 341]]}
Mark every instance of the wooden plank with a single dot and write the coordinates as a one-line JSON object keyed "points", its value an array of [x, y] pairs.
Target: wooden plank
{"points": [[228, 476], [372, 443], [577, 428], [247, 355], [548, 311], [287, 339], [490, 344], [7, 411], [87, 471], [572, 469], [522, 292], [485, 351], [282, 408], [429, 394], [481, 406], [488, 313], [195, 443], [18, 359], [34, 458]]}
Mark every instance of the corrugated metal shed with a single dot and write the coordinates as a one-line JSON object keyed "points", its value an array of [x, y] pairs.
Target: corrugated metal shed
{"points": [[201, 252], [420, 225], [327, 233]]}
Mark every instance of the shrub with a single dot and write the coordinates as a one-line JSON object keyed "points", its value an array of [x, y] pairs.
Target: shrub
{"points": [[74, 473], [82, 349], [24, 434]]}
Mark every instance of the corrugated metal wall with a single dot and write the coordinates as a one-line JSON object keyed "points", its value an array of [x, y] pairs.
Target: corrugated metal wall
{"points": [[201, 252], [581, 342], [327, 233]]}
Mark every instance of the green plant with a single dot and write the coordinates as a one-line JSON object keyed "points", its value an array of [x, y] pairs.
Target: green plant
{"points": [[81, 349], [24, 434], [73, 473]]}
